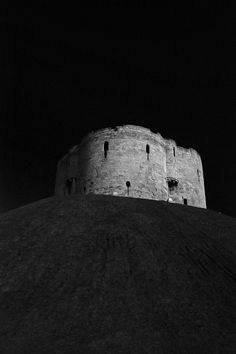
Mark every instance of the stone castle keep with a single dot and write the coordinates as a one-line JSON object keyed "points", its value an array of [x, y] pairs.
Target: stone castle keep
{"points": [[135, 162]]}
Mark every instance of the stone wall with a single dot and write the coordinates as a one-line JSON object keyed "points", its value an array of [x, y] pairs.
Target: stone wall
{"points": [[132, 161]]}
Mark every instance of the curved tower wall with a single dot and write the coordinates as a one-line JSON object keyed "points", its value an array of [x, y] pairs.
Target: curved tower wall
{"points": [[132, 161], [126, 170], [186, 166]]}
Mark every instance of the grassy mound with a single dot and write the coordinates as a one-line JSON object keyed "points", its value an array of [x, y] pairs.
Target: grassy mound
{"points": [[102, 274]]}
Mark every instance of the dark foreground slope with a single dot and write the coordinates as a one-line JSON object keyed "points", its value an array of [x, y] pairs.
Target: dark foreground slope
{"points": [[100, 274]]}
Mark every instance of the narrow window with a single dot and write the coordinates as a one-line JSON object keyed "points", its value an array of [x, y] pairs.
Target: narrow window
{"points": [[174, 151], [185, 201], [128, 186], [106, 148], [69, 186], [84, 189], [198, 175], [147, 151]]}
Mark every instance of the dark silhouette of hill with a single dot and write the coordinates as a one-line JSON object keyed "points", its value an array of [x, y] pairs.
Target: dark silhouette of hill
{"points": [[102, 274]]}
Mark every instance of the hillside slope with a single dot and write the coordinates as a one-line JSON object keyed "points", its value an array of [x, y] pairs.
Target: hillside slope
{"points": [[102, 274]]}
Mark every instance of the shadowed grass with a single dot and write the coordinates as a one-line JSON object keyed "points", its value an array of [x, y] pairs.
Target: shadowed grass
{"points": [[102, 274]]}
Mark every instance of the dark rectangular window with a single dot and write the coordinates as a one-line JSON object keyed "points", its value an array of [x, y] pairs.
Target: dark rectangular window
{"points": [[198, 175], [128, 186], [68, 186], [147, 151], [106, 148], [172, 184]]}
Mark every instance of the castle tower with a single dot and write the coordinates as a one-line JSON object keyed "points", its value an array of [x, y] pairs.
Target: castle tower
{"points": [[132, 161]]}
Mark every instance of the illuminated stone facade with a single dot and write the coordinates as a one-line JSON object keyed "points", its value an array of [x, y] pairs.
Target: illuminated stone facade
{"points": [[135, 162]]}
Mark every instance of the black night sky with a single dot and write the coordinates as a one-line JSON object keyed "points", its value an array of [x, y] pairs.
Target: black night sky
{"points": [[66, 72]]}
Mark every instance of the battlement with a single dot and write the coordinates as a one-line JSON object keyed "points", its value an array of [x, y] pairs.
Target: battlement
{"points": [[132, 161]]}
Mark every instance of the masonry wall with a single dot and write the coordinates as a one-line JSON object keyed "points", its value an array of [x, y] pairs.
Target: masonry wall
{"points": [[126, 161], [186, 166], [131, 161]]}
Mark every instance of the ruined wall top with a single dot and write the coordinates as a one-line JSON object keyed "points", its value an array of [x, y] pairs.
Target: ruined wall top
{"points": [[134, 130]]}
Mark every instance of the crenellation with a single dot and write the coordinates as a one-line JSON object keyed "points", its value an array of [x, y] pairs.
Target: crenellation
{"points": [[135, 162]]}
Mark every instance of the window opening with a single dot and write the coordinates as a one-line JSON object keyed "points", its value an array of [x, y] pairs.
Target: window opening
{"points": [[198, 175], [70, 185], [147, 151], [128, 186], [84, 189], [185, 201], [106, 148], [172, 184]]}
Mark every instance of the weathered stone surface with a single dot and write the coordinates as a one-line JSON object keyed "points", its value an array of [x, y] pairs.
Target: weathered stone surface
{"points": [[155, 167]]}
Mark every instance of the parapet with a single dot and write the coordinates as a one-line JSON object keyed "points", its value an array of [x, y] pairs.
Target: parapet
{"points": [[132, 161]]}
